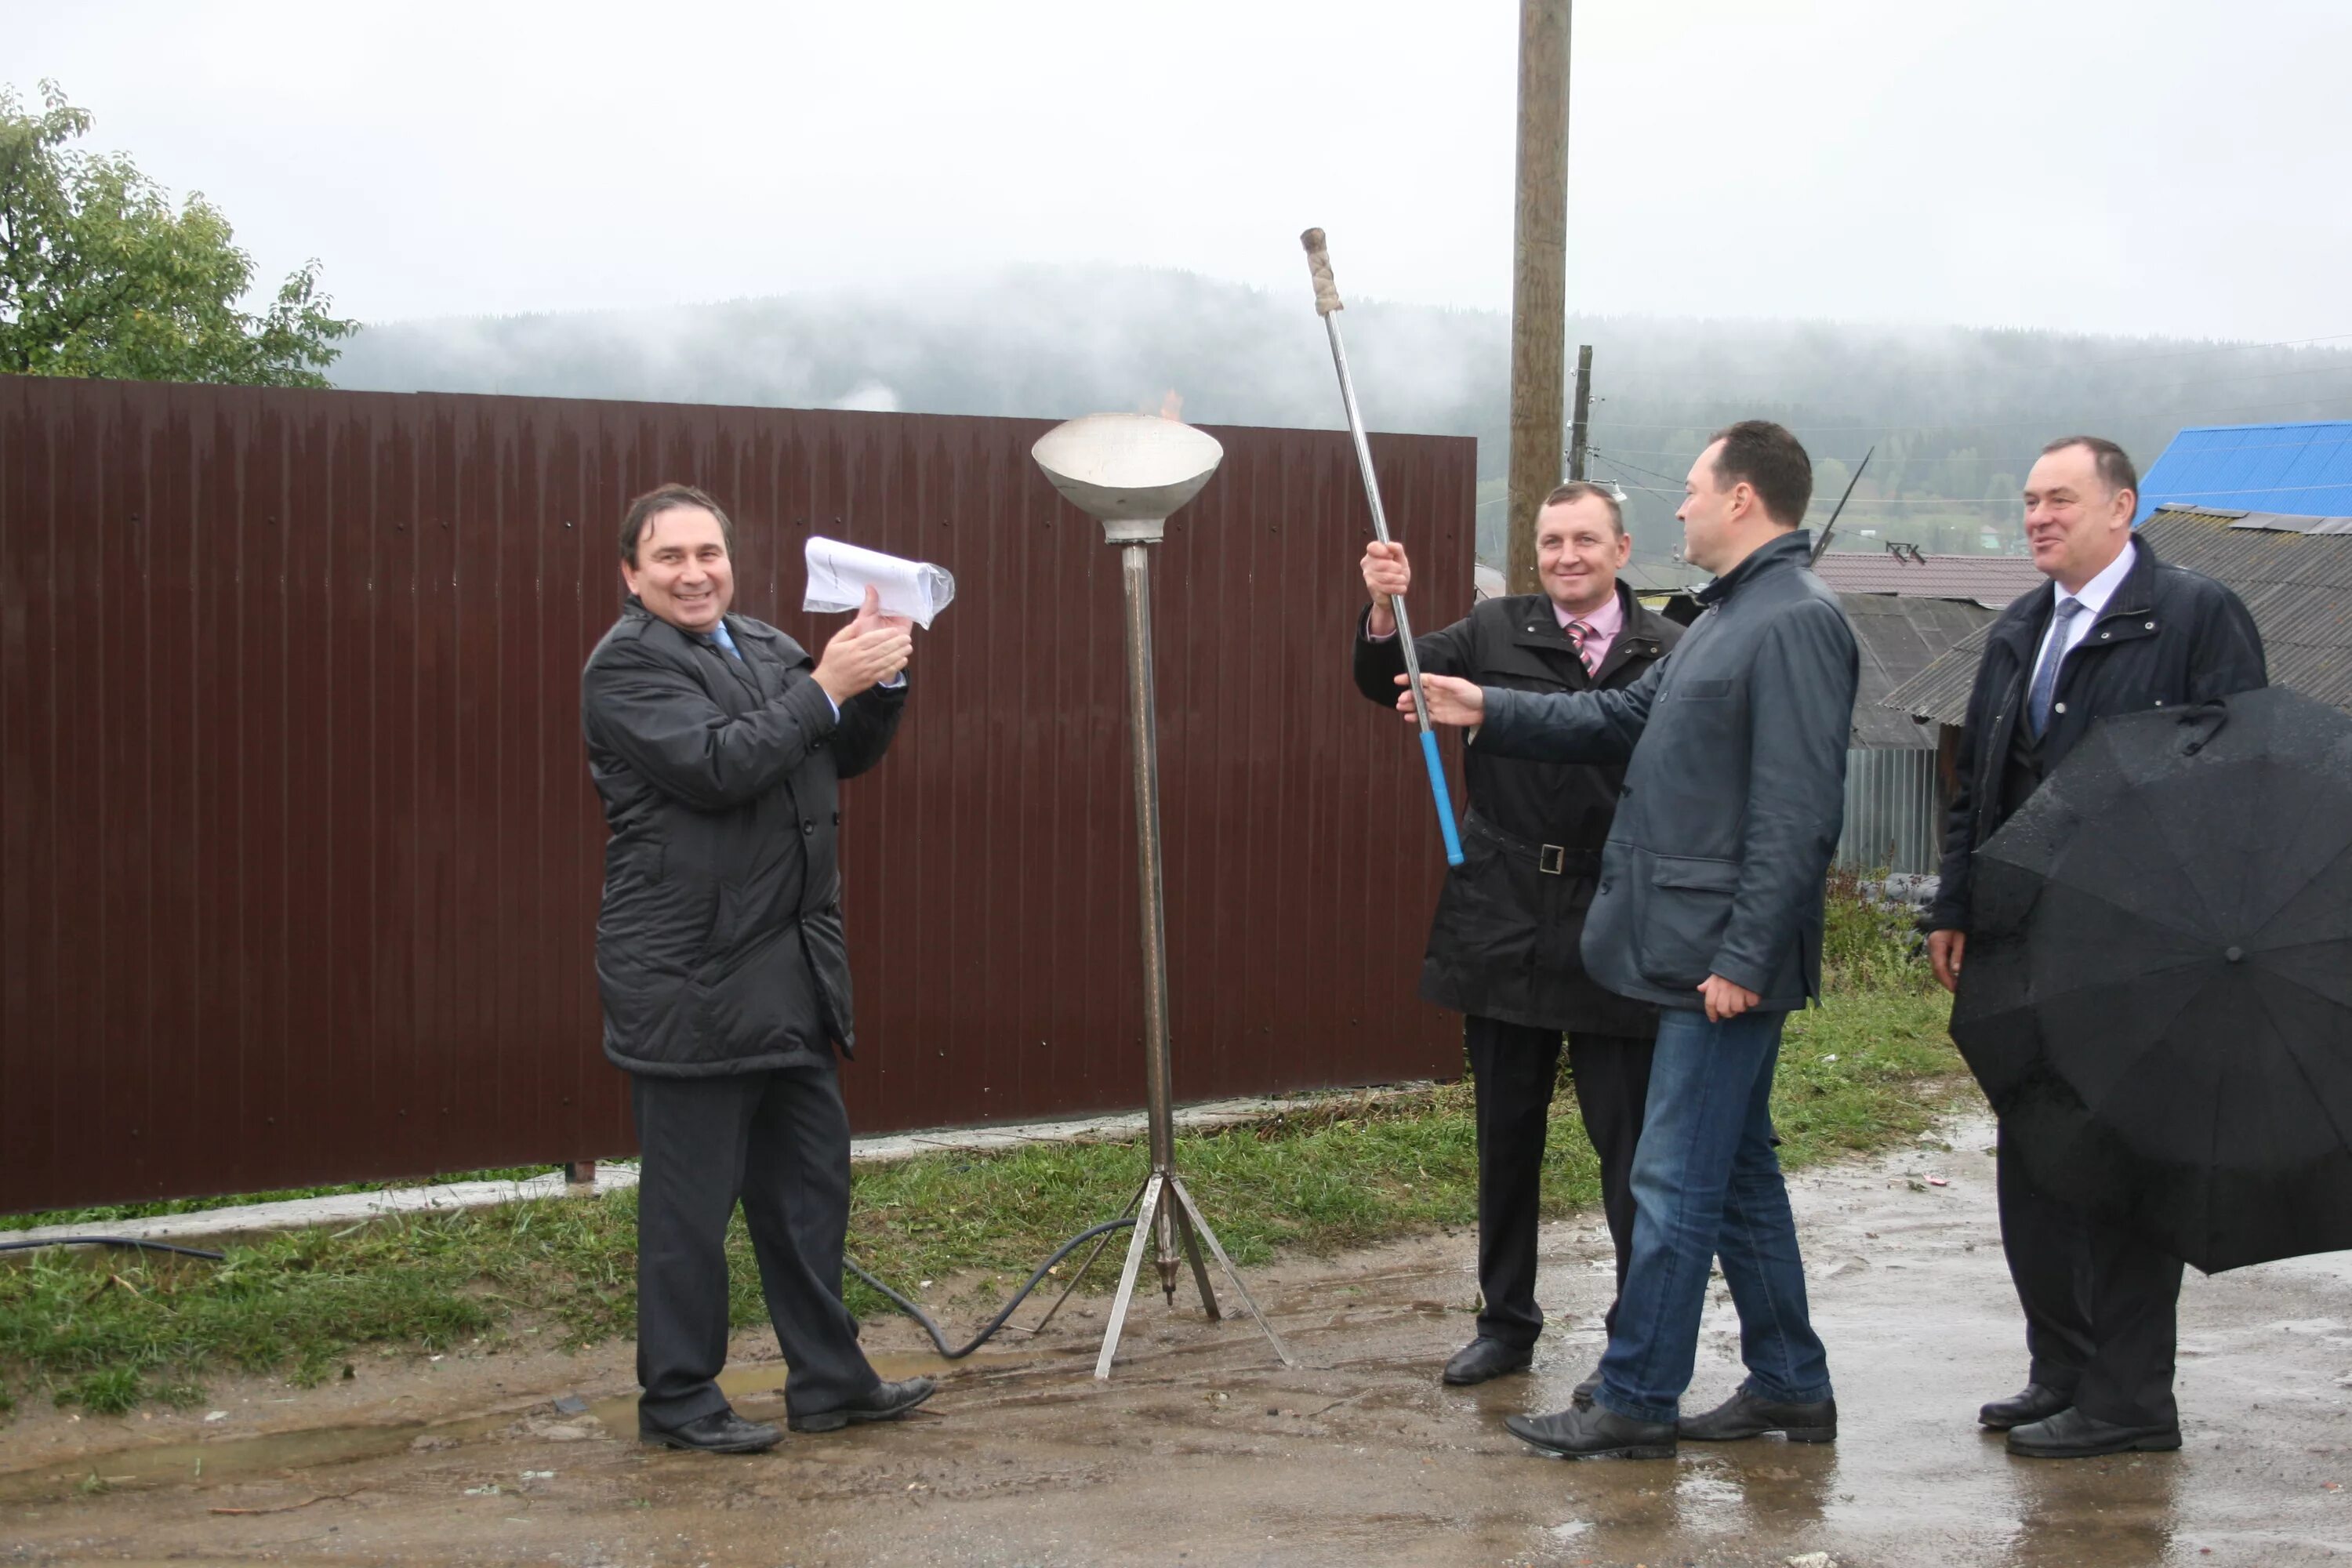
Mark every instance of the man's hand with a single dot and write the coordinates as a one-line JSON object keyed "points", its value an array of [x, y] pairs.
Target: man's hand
{"points": [[1386, 575], [870, 650], [1726, 1001], [1945, 951], [1452, 701]]}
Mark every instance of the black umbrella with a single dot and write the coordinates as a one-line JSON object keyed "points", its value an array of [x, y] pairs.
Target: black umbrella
{"points": [[2157, 991]]}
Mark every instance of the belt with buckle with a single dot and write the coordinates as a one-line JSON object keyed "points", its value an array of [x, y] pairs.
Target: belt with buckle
{"points": [[1552, 859]]}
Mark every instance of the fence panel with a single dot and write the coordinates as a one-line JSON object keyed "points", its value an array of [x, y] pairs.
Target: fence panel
{"points": [[299, 864]]}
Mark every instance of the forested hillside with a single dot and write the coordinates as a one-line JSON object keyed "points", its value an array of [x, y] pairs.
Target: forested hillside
{"points": [[1956, 414]]}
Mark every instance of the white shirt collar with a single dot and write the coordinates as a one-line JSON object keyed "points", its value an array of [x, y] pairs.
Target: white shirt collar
{"points": [[2093, 594]]}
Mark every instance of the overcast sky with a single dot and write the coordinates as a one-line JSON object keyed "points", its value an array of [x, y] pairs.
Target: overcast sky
{"points": [[2161, 166]]}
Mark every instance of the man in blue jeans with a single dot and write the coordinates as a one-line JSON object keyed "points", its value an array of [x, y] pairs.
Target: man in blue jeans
{"points": [[1709, 905]]}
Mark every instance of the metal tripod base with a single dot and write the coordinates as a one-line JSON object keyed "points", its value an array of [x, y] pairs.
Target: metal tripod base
{"points": [[1167, 1187]]}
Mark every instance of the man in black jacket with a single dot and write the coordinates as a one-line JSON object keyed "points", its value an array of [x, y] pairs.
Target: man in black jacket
{"points": [[2117, 632], [1710, 906], [717, 745], [1503, 944]]}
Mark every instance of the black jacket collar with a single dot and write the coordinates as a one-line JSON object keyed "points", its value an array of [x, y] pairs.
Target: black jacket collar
{"points": [[2022, 626], [1794, 548]]}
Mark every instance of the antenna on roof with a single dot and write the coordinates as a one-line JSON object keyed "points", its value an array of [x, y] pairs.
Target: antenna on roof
{"points": [[1830, 527]]}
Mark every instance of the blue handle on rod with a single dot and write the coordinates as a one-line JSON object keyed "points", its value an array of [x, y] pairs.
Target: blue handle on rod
{"points": [[1444, 797]]}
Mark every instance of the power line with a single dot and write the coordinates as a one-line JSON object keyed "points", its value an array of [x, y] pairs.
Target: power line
{"points": [[1950, 427], [1973, 501], [2072, 367], [2021, 457]]}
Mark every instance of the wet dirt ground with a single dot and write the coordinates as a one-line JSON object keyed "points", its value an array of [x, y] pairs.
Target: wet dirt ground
{"points": [[1202, 1449]]}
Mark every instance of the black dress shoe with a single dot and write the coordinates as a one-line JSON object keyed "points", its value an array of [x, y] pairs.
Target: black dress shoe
{"points": [[1750, 1414], [2034, 1402], [1483, 1358], [1583, 1397], [887, 1403], [2072, 1435], [1594, 1433], [720, 1432]]}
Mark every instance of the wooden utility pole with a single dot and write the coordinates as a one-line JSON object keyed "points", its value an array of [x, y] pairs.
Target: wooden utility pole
{"points": [[1582, 410], [1538, 280]]}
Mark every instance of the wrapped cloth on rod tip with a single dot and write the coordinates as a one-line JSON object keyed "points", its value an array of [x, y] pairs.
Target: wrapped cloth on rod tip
{"points": [[839, 574]]}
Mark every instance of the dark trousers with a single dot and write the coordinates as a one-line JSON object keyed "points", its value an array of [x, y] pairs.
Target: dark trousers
{"points": [[2100, 1304], [779, 1140], [1513, 1069]]}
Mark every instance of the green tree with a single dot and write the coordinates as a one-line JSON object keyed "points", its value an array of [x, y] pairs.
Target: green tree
{"points": [[100, 276]]}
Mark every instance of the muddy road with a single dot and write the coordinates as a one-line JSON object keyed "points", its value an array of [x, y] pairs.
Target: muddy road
{"points": [[1203, 1450]]}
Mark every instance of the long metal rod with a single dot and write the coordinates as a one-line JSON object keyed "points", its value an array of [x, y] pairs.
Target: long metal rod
{"points": [[1327, 306], [1134, 562], [1380, 516]]}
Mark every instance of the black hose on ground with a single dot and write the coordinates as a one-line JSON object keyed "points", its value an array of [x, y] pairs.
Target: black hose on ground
{"points": [[932, 1329], [112, 1241], [910, 1307]]}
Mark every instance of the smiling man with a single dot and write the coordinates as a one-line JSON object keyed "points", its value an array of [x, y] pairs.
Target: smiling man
{"points": [[2117, 631], [717, 746], [1503, 947], [1710, 907]]}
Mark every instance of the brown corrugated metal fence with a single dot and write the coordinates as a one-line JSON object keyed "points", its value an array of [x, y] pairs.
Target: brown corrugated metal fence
{"points": [[299, 861]]}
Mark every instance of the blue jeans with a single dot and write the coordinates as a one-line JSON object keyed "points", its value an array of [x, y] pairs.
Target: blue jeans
{"points": [[1707, 1185]]}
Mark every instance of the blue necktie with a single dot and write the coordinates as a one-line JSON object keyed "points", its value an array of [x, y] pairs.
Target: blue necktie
{"points": [[2045, 679], [722, 638]]}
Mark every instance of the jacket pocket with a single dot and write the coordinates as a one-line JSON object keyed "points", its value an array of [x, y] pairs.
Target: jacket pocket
{"points": [[1685, 908]]}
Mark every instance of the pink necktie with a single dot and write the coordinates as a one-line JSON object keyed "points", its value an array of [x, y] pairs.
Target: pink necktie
{"points": [[1577, 632]]}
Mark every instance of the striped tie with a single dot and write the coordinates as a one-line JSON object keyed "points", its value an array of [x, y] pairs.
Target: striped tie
{"points": [[1577, 632]]}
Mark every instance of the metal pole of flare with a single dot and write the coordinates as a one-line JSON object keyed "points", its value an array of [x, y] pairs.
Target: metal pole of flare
{"points": [[1327, 306], [1143, 726], [1131, 471]]}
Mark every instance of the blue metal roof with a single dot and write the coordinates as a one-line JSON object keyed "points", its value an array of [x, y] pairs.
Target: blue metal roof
{"points": [[2299, 470]]}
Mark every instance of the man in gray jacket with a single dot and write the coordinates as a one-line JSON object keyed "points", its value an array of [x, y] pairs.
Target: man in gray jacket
{"points": [[1710, 906]]}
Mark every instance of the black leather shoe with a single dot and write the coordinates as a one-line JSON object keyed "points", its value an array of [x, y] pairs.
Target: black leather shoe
{"points": [[1483, 1358], [1594, 1433], [1583, 1397], [720, 1432], [2034, 1402], [1750, 1414], [2072, 1435], [887, 1403]]}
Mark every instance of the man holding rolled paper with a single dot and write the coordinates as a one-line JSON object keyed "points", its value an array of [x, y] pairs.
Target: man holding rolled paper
{"points": [[1710, 906], [1503, 946], [717, 746]]}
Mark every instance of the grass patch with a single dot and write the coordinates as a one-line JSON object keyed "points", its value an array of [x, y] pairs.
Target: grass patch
{"points": [[1873, 1066]]}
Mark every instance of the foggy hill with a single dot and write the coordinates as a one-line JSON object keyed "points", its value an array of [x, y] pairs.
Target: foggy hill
{"points": [[1956, 414]]}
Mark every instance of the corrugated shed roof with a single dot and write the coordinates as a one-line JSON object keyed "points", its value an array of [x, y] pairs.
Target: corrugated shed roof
{"points": [[2305, 469], [1900, 637], [1991, 580], [2296, 583]]}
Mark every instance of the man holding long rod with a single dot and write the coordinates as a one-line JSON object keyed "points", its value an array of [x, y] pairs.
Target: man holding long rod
{"points": [[1710, 905], [1503, 947]]}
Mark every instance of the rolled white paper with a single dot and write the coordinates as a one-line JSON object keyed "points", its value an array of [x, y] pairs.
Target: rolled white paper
{"points": [[839, 574]]}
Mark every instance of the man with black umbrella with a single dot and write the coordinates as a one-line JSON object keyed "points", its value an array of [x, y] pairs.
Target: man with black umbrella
{"points": [[1503, 947], [2117, 632]]}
